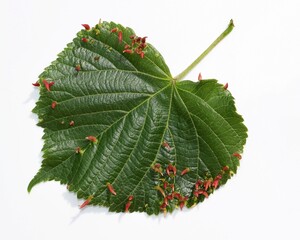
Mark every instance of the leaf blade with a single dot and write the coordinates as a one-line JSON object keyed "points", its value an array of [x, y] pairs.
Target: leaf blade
{"points": [[140, 117]]}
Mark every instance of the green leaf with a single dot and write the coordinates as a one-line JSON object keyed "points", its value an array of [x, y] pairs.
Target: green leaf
{"points": [[118, 119]]}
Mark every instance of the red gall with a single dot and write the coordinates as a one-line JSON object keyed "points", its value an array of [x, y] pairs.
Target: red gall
{"points": [[170, 197], [177, 195], [36, 84], [166, 201], [198, 183], [163, 206], [91, 138], [47, 84], [77, 68], [225, 168], [77, 150], [111, 189], [184, 171], [127, 51], [181, 205], [201, 192], [158, 188], [157, 168], [53, 104], [86, 26], [85, 40], [199, 77], [216, 181], [170, 169], [226, 86], [185, 198], [130, 198], [120, 36], [127, 206], [207, 184], [138, 50], [144, 39], [142, 45], [237, 155], [86, 202], [114, 30], [166, 146]]}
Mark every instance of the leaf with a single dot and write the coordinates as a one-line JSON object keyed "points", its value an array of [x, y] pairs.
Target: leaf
{"points": [[122, 133]]}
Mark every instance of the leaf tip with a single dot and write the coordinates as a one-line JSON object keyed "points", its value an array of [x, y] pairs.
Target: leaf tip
{"points": [[31, 184]]}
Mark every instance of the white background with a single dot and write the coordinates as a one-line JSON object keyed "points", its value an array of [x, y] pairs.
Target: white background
{"points": [[260, 60]]}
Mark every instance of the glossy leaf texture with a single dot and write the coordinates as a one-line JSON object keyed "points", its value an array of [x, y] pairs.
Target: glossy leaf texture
{"points": [[122, 133]]}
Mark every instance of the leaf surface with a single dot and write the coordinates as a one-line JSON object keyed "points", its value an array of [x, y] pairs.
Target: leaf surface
{"points": [[114, 117]]}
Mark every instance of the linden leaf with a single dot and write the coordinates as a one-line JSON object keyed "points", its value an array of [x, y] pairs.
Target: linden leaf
{"points": [[121, 132]]}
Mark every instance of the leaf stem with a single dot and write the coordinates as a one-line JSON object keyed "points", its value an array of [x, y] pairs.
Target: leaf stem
{"points": [[211, 47]]}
